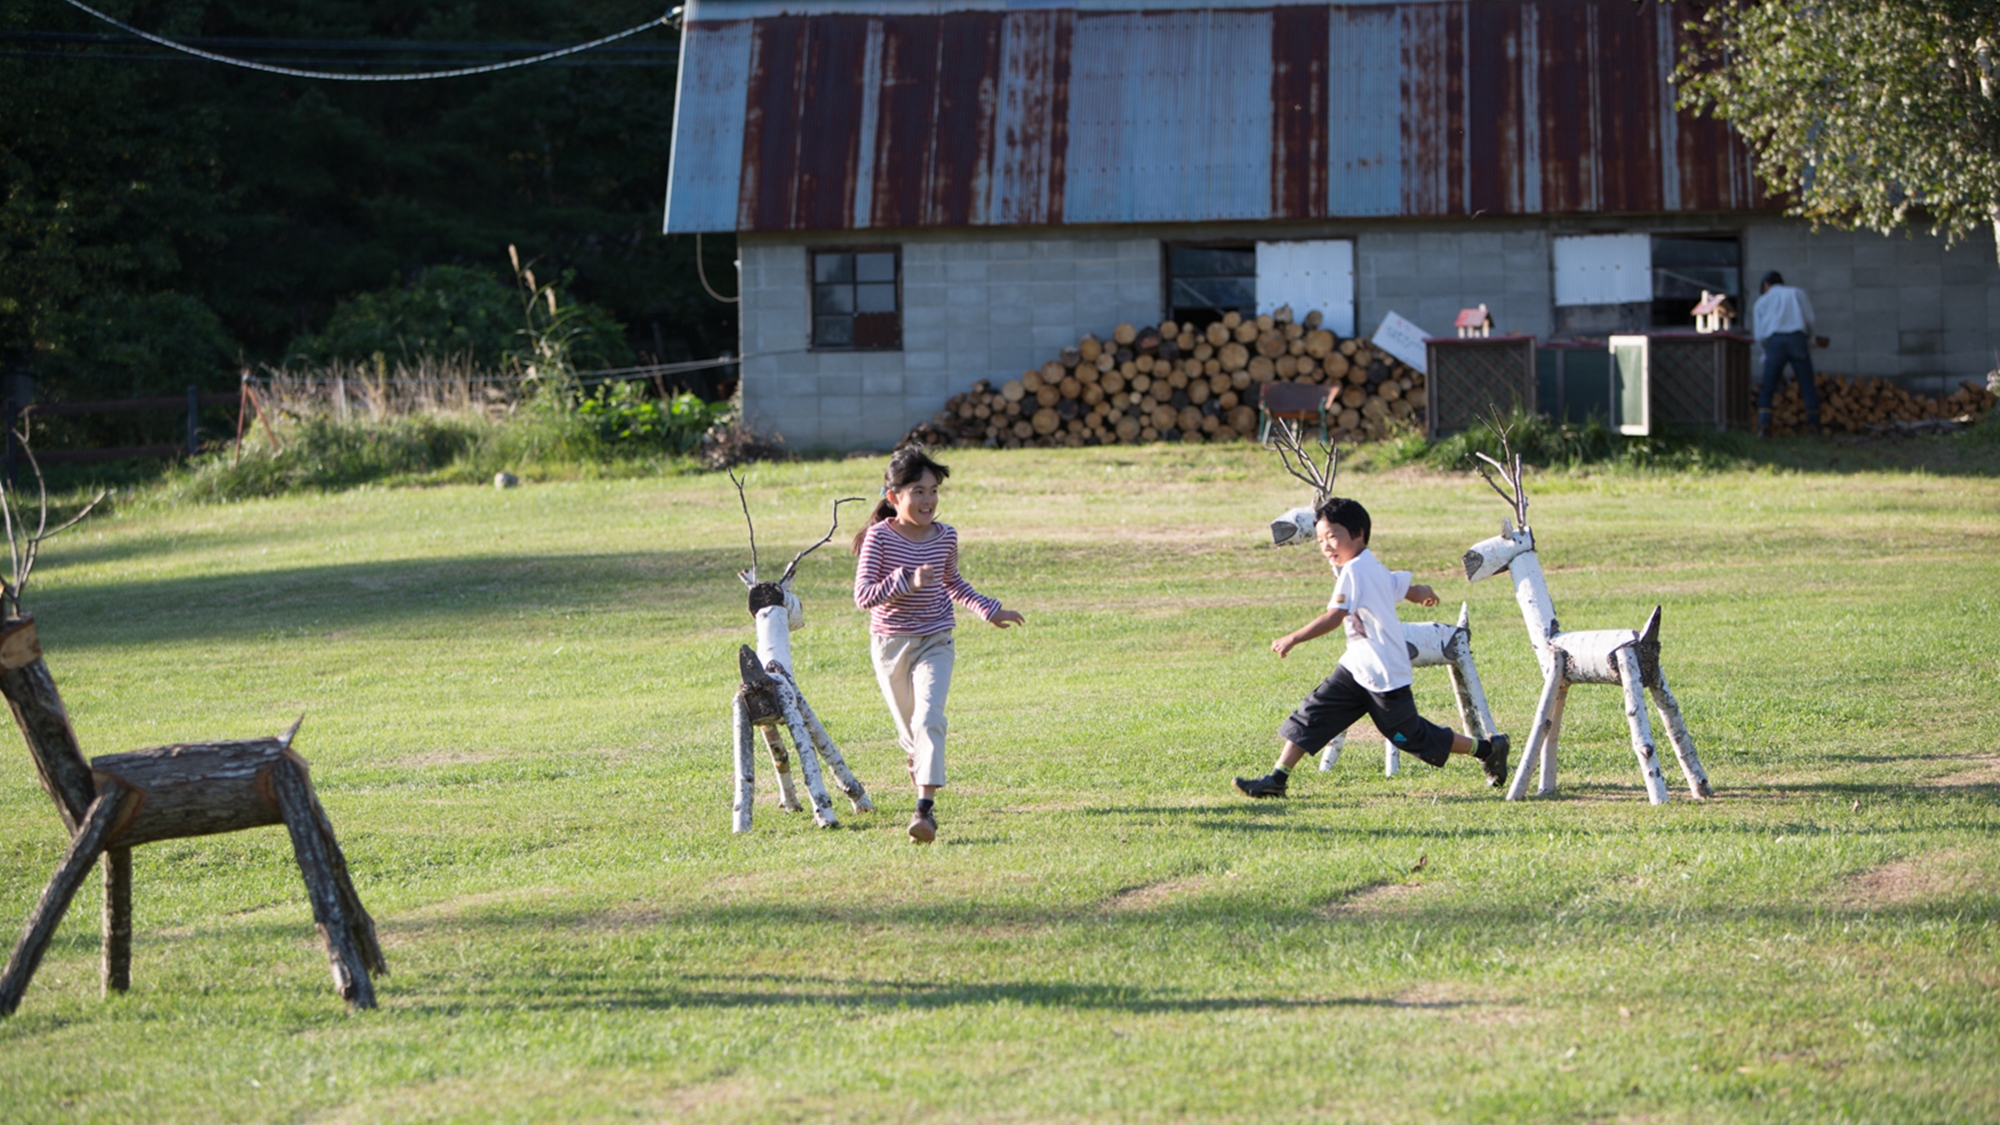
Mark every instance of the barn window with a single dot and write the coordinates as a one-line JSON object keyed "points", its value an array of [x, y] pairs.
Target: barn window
{"points": [[857, 300], [1206, 282], [1685, 267]]}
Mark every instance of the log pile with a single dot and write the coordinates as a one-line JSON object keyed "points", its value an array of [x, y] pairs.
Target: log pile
{"points": [[1176, 382], [1873, 405]]}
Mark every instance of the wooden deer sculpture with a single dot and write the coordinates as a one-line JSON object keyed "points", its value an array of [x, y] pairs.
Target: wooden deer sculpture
{"points": [[116, 802], [1432, 644], [1600, 656], [770, 695]]}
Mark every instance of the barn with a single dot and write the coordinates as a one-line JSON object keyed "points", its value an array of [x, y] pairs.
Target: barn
{"points": [[926, 194]]}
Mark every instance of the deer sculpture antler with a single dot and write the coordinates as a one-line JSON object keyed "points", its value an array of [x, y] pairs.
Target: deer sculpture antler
{"points": [[22, 548], [793, 567], [1509, 467], [1286, 438]]}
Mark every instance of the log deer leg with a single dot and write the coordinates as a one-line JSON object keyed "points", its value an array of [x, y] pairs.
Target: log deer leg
{"points": [[746, 768], [808, 759], [115, 974], [1538, 730], [1681, 740], [1552, 747], [344, 958], [359, 923], [781, 761], [84, 848], [1473, 712], [1642, 727], [1331, 754], [830, 754]]}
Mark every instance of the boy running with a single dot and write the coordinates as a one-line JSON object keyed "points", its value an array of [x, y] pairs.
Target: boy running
{"points": [[1373, 678]]}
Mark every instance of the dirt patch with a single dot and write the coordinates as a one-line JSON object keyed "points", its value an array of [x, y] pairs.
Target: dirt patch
{"points": [[434, 758], [1373, 899], [1933, 875], [1152, 895], [1976, 771]]}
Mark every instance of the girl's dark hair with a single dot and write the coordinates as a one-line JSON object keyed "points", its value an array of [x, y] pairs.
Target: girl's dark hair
{"points": [[906, 466], [1342, 512]]}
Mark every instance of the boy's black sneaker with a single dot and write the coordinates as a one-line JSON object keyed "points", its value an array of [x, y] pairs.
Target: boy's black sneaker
{"points": [[1495, 762], [923, 827], [1270, 785]]}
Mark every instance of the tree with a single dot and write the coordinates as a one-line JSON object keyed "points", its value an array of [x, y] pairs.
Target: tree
{"points": [[1876, 114]]}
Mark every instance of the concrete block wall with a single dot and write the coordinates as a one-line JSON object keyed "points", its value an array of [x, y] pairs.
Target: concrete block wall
{"points": [[1898, 306], [979, 306], [990, 304], [1427, 276]]}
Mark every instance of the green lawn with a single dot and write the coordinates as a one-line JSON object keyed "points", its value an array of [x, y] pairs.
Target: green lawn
{"points": [[517, 716]]}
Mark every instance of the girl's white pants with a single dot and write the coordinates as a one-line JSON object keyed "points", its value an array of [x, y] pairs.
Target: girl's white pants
{"points": [[915, 673]]}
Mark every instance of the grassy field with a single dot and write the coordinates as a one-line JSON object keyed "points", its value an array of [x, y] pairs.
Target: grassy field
{"points": [[516, 711]]}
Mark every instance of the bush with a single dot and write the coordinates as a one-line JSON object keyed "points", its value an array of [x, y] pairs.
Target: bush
{"points": [[451, 310], [624, 419]]}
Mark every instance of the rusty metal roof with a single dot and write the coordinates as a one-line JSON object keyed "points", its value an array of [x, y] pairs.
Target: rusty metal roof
{"points": [[824, 115]]}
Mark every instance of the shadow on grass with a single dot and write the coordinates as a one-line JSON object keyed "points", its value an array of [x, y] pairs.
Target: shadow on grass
{"points": [[359, 595]]}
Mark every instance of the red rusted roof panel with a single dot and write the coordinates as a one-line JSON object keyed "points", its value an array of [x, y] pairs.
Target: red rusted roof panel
{"points": [[990, 117]]}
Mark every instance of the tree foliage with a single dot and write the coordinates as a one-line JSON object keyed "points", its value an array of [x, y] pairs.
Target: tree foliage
{"points": [[456, 311], [139, 190], [1878, 114]]}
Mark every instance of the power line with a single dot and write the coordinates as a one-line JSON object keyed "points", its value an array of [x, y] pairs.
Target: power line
{"points": [[336, 76]]}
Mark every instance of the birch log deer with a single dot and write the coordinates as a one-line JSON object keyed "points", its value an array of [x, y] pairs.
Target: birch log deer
{"points": [[1600, 656], [769, 695], [119, 801], [1432, 644]]}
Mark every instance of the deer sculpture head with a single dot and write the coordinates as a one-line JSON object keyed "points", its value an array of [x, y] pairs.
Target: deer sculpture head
{"points": [[1296, 526], [764, 595], [1489, 557]]}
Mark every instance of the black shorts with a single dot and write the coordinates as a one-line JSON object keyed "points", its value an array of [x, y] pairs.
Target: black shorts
{"points": [[1339, 702]]}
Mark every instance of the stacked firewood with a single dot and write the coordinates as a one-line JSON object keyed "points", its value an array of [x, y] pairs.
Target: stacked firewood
{"points": [[1177, 382], [1873, 405]]}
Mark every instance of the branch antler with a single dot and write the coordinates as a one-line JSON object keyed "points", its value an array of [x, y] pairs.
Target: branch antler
{"points": [[24, 549], [1509, 467], [751, 574], [824, 540], [1286, 437]]}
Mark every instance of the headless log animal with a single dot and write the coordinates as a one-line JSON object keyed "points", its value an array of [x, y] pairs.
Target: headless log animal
{"points": [[167, 793]]}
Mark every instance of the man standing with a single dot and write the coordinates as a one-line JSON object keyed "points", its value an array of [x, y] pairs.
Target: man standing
{"points": [[1783, 319]]}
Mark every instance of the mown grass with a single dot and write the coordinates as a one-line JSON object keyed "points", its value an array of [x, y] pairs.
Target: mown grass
{"points": [[516, 715]]}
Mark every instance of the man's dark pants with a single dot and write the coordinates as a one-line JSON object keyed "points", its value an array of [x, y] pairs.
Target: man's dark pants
{"points": [[1781, 348]]}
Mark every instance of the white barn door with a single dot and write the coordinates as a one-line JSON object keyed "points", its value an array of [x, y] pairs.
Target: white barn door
{"points": [[1307, 276]]}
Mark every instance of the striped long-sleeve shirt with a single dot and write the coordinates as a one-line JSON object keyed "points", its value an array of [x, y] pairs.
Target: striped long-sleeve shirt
{"points": [[887, 567]]}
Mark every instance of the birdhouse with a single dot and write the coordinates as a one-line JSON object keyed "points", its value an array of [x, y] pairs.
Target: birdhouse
{"points": [[1474, 322], [1713, 314]]}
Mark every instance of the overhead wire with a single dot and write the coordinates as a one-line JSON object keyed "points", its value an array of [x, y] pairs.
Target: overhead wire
{"points": [[339, 76]]}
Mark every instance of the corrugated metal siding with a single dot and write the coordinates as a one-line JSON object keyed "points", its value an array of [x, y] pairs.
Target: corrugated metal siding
{"points": [[990, 117]]}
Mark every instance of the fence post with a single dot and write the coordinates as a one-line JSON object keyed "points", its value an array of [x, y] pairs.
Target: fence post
{"points": [[194, 420]]}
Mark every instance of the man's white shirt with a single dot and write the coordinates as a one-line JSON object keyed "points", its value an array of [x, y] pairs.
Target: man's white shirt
{"points": [[1784, 308], [1377, 658]]}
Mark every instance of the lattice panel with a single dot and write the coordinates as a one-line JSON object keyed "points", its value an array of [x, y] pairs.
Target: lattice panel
{"points": [[1689, 374], [1683, 378], [1470, 382]]}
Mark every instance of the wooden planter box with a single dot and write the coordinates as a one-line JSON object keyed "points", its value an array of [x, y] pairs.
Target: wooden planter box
{"points": [[1681, 381], [1474, 378]]}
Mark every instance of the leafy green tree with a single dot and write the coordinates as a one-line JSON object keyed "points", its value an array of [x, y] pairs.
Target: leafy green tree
{"points": [[1878, 114]]}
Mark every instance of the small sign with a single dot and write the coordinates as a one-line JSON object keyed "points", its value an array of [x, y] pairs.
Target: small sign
{"points": [[1401, 339]]}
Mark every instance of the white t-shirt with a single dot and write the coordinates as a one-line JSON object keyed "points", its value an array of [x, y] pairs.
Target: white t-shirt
{"points": [[1379, 660], [1785, 308]]}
